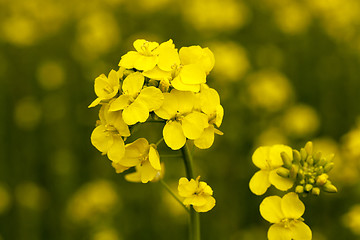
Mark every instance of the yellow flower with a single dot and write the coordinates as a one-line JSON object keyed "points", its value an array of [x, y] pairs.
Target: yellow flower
{"points": [[209, 101], [182, 122], [268, 159], [143, 58], [146, 159], [285, 214], [196, 63], [107, 136], [196, 193], [136, 101], [106, 87]]}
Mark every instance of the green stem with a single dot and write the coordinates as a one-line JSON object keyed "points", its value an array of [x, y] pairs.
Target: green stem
{"points": [[194, 228], [173, 194], [158, 142]]}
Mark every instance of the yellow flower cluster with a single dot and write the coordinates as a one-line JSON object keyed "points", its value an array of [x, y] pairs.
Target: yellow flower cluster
{"points": [[284, 168], [160, 83]]}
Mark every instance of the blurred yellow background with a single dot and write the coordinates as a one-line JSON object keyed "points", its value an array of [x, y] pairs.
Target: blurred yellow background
{"points": [[286, 71]]}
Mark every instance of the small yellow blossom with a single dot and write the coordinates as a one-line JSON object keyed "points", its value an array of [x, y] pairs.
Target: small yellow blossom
{"points": [[143, 58], [196, 63], [182, 122], [136, 101], [196, 193], [268, 159], [209, 101], [106, 87], [107, 136], [146, 159], [285, 214]]}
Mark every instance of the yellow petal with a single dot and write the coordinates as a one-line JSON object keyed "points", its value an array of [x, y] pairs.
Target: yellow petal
{"points": [[152, 97], [185, 101], [135, 112], [157, 74], [127, 61], [95, 103], [141, 44], [207, 60], [115, 119], [101, 139], [168, 56], [192, 74], [259, 183], [279, 182], [133, 83], [209, 100], [145, 63], [154, 158], [194, 124], [179, 85], [189, 55], [275, 154], [187, 188], [270, 209], [195, 200], [219, 115], [210, 203], [279, 232], [133, 177], [169, 107], [173, 135], [118, 167], [117, 150], [147, 172], [260, 156], [291, 206], [120, 103], [301, 231], [206, 139], [206, 189]]}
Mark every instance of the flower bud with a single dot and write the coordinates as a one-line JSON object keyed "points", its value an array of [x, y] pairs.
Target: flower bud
{"points": [[299, 189], [303, 154], [322, 179], [309, 147], [296, 156], [294, 171], [308, 187], [328, 187], [286, 160], [283, 172], [328, 166], [317, 157], [315, 191], [310, 160]]}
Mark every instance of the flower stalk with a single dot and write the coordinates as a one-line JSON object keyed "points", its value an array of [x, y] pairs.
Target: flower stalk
{"points": [[194, 226]]}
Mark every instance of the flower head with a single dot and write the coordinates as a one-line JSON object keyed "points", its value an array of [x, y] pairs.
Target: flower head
{"points": [[196, 193], [269, 160], [285, 214]]}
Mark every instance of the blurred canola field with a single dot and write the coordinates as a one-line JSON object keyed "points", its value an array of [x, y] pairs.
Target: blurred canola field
{"points": [[286, 71]]}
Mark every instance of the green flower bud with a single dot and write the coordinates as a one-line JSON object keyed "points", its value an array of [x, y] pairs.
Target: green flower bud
{"points": [[315, 191], [317, 157], [283, 172], [303, 154], [320, 170], [312, 180], [308, 187], [302, 181], [286, 160], [328, 187], [294, 170], [330, 157], [328, 166], [299, 189], [309, 147], [153, 82], [296, 156], [301, 174], [310, 160], [322, 162]]}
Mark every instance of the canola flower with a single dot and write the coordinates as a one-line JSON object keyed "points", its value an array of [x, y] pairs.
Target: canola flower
{"points": [[159, 83], [285, 214], [196, 193], [301, 173]]}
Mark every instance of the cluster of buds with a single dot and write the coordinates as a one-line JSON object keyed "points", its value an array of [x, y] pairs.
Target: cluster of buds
{"points": [[309, 170]]}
